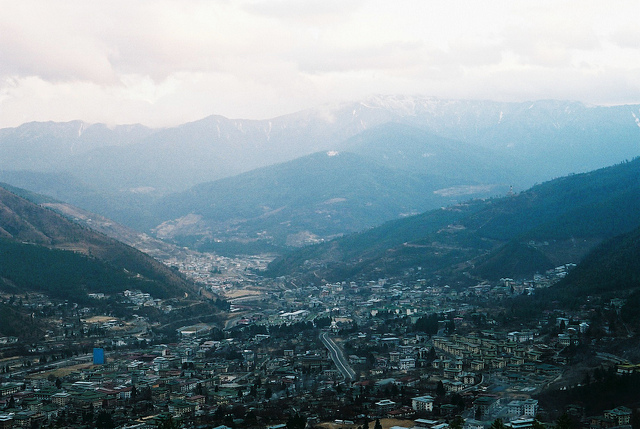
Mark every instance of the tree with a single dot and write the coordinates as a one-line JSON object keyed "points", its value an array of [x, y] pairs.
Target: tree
{"points": [[377, 425], [167, 423], [456, 423], [564, 422], [251, 418], [497, 424], [440, 389], [104, 421]]}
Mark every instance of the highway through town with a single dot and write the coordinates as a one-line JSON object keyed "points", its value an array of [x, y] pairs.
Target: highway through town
{"points": [[338, 358]]}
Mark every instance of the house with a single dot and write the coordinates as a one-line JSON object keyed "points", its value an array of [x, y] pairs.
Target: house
{"points": [[384, 406], [484, 405], [402, 413], [180, 407], [422, 403], [620, 415], [527, 407], [61, 398], [424, 424], [407, 363]]}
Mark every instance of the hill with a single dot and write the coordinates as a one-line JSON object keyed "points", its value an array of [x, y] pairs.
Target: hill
{"points": [[43, 251], [607, 277], [328, 194], [409, 148], [612, 269], [560, 220]]}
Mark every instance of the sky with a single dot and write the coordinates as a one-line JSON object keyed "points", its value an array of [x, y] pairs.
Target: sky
{"points": [[167, 62]]}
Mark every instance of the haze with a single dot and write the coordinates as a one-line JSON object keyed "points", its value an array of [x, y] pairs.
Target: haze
{"points": [[162, 63]]}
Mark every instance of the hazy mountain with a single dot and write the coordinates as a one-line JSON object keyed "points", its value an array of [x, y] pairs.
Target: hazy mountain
{"points": [[126, 207], [47, 146], [332, 193], [408, 148], [540, 139], [121, 171], [559, 221]]}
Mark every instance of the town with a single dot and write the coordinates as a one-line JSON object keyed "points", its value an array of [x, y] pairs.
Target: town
{"points": [[400, 352]]}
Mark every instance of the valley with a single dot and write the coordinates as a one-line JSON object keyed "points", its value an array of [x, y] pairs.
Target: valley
{"points": [[397, 263]]}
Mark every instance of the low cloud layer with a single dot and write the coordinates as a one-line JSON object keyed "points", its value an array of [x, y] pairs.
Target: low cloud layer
{"points": [[166, 62]]}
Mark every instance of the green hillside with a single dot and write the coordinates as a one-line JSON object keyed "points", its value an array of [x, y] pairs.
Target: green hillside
{"points": [[611, 268], [567, 215], [66, 275], [42, 250], [325, 194]]}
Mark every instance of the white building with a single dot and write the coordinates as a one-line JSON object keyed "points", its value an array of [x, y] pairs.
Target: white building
{"points": [[407, 363], [527, 407], [422, 403]]}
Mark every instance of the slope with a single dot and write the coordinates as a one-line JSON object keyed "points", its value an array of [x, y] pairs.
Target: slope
{"points": [[314, 197], [405, 147], [563, 217], [39, 245], [612, 269]]}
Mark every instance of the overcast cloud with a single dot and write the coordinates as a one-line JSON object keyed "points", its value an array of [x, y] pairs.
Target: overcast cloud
{"points": [[162, 63]]}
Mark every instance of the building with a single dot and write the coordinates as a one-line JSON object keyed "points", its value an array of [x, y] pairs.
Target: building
{"points": [[520, 424], [98, 356], [527, 407], [384, 406], [485, 405], [407, 363], [620, 415], [422, 403]]}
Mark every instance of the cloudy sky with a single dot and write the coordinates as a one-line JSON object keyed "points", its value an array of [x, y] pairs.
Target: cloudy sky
{"points": [[165, 62]]}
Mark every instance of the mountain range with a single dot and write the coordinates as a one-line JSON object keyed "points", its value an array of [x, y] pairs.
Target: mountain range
{"points": [[121, 171]]}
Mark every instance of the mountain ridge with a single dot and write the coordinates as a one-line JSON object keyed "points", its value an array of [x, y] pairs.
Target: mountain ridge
{"points": [[466, 233], [332, 193], [123, 172]]}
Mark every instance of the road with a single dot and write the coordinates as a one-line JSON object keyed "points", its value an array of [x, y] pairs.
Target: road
{"points": [[43, 367], [338, 358]]}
